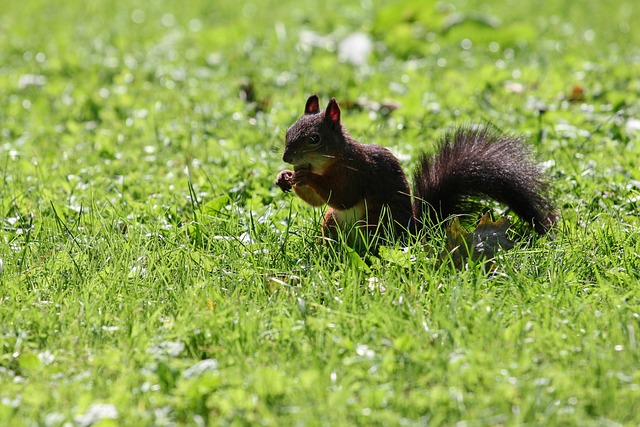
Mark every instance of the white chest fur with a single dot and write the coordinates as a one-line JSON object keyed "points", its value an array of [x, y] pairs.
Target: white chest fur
{"points": [[347, 218]]}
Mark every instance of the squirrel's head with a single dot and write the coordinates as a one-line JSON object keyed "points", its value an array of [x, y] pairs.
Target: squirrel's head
{"points": [[315, 139]]}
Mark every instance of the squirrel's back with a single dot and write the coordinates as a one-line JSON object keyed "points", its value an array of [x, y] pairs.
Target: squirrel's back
{"points": [[480, 161]]}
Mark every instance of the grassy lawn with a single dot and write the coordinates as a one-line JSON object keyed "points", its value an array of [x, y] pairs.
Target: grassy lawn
{"points": [[153, 274]]}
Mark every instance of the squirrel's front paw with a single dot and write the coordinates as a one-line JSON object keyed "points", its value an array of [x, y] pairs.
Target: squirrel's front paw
{"points": [[285, 180], [302, 177]]}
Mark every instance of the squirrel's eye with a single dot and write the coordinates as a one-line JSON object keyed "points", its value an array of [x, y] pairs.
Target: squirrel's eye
{"points": [[314, 139]]}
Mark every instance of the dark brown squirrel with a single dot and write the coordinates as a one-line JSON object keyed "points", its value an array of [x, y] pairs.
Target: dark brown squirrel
{"points": [[364, 184]]}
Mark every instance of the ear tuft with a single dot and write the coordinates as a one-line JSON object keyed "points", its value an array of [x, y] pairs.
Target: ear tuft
{"points": [[332, 113], [313, 105]]}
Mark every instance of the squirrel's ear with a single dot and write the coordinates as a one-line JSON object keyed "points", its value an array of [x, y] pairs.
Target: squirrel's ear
{"points": [[332, 113], [313, 105]]}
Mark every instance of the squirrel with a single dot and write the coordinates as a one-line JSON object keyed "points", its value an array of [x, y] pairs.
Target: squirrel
{"points": [[364, 184]]}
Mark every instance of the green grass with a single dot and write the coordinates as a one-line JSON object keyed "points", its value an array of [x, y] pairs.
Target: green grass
{"points": [[142, 232]]}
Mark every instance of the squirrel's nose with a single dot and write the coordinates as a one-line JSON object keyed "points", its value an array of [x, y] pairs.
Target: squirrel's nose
{"points": [[286, 157]]}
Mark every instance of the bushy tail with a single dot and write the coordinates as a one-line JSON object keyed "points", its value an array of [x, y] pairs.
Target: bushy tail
{"points": [[480, 161]]}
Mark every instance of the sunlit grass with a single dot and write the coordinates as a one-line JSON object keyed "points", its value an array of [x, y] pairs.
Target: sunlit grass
{"points": [[152, 273]]}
